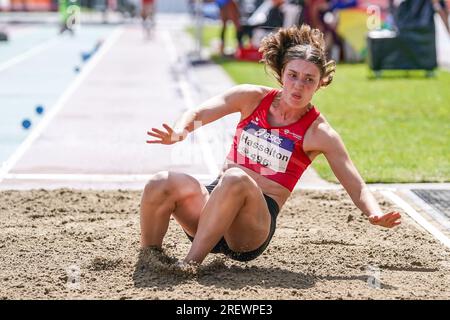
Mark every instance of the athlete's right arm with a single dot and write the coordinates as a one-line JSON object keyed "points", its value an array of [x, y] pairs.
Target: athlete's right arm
{"points": [[240, 98]]}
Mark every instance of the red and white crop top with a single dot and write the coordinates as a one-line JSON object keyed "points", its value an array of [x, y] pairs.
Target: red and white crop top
{"points": [[274, 152]]}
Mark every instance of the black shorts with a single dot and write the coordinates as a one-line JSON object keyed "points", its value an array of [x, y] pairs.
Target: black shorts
{"points": [[222, 246]]}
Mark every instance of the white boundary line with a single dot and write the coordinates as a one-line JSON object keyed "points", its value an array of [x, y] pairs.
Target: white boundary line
{"points": [[436, 215], [28, 54], [12, 160], [417, 217], [190, 104], [377, 186], [408, 186]]}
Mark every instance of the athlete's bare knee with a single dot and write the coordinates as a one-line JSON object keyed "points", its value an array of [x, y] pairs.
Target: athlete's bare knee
{"points": [[157, 198], [235, 180], [158, 186]]}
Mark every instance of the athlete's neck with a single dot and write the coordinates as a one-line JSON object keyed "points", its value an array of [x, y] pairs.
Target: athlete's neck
{"points": [[288, 112]]}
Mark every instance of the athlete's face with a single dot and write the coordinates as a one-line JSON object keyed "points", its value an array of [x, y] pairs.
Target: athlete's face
{"points": [[301, 79]]}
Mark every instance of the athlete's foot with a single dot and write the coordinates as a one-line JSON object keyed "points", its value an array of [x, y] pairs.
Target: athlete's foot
{"points": [[185, 268], [193, 258], [155, 259], [180, 264]]}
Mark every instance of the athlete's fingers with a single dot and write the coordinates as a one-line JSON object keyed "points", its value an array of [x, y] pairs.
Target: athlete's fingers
{"points": [[383, 218], [397, 214], [386, 219], [393, 220], [388, 215], [379, 221], [154, 134], [392, 224], [393, 216], [168, 128], [162, 133], [154, 141]]}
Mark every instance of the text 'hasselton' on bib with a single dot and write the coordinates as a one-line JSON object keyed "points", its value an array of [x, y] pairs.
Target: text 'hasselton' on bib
{"points": [[266, 147]]}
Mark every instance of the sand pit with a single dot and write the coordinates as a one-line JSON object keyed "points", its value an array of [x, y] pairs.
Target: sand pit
{"points": [[66, 244]]}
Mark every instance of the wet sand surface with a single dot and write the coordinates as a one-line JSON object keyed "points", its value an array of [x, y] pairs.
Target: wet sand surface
{"points": [[69, 244]]}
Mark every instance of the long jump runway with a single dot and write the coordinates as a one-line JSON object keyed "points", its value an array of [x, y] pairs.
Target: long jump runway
{"points": [[98, 131]]}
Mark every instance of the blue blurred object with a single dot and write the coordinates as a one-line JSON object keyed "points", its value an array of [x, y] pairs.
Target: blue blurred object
{"points": [[222, 3], [343, 4], [211, 11], [389, 22], [26, 124], [86, 56], [40, 109]]}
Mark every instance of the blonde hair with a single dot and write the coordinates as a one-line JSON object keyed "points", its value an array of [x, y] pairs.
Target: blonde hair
{"points": [[297, 43]]}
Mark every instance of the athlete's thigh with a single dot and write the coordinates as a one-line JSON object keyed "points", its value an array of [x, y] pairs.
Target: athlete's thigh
{"points": [[251, 226]]}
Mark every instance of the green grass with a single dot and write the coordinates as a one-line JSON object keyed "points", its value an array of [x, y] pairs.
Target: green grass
{"points": [[396, 129], [246, 72]]}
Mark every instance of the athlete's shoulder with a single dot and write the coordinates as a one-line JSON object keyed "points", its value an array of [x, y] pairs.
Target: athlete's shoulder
{"points": [[321, 128], [250, 96], [251, 90], [321, 134]]}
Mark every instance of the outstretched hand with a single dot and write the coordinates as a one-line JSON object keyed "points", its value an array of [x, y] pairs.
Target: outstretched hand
{"points": [[387, 220], [169, 136]]}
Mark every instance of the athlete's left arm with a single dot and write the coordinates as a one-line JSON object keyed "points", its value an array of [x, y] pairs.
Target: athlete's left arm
{"points": [[333, 148]]}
